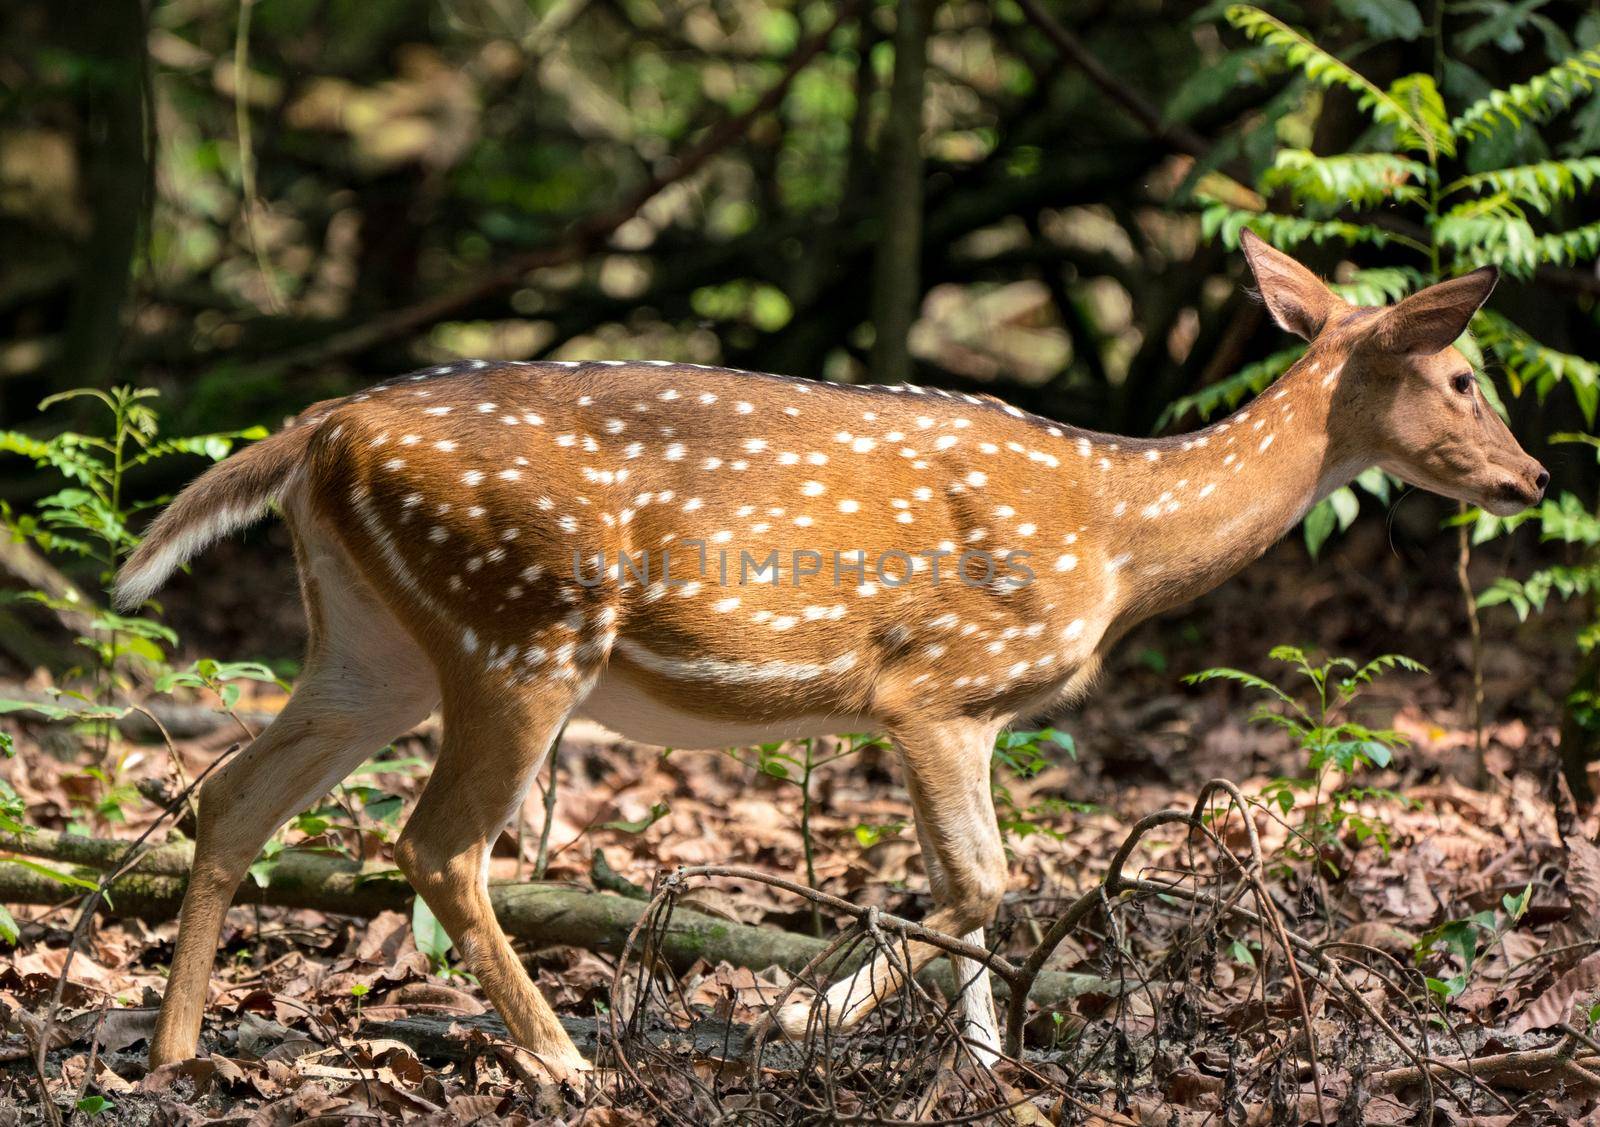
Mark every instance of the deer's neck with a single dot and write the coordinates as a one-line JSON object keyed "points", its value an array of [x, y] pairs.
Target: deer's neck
{"points": [[1182, 515]]}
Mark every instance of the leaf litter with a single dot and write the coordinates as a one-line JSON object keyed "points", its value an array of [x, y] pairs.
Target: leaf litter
{"points": [[1474, 939]]}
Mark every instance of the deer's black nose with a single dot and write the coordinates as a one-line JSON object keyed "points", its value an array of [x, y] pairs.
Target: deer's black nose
{"points": [[1542, 480]]}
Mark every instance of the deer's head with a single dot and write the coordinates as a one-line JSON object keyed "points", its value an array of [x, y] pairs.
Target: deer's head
{"points": [[1405, 397]]}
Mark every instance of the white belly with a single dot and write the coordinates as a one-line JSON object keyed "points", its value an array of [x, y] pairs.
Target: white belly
{"points": [[620, 704]]}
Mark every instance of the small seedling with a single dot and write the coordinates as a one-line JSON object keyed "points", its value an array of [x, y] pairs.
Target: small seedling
{"points": [[1330, 743], [1022, 755], [1469, 940], [430, 937]]}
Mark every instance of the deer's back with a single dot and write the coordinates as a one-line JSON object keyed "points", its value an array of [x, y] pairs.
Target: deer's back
{"points": [[746, 546]]}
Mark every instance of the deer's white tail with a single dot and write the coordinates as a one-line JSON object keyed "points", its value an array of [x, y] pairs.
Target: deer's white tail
{"points": [[226, 498]]}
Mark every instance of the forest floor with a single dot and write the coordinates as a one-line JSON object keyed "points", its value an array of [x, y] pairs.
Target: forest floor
{"points": [[1470, 936]]}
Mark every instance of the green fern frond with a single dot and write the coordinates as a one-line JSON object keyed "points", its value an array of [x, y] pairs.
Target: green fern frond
{"points": [[1327, 70], [1535, 100], [1425, 105], [1581, 244], [1490, 235], [1501, 205], [1540, 185], [1498, 234], [1230, 392], [1528, 363], [1379, 286], [1532, 593], [1361, 179], [1219, 220]]}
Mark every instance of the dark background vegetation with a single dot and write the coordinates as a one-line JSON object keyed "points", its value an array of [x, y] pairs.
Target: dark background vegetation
{"points": [[254, 206], [251, 207]]}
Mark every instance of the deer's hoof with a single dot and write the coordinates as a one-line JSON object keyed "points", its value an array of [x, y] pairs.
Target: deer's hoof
{"points": [[548, 1068], [792, 1022]]}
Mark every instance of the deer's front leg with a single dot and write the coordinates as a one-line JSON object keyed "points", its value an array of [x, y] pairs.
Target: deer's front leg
{"points": [[974, 990], [947, 773]]}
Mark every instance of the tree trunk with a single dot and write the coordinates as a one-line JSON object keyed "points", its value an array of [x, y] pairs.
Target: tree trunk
{"points": [[897, 270], [116, 181]]}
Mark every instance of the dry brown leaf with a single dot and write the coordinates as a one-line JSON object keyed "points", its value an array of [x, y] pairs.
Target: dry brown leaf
{"points": [[1583, 885], [1396, 941], [1554, 1006], [432, 997]]}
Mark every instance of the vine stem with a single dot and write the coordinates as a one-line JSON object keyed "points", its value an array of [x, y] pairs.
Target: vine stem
{"points": [[1480, 766], [541, 862], [805, 833]]}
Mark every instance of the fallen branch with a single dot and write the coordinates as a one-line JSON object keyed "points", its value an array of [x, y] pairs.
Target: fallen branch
{"points": [[542, 915], [182, 721], [1529, 1069]]}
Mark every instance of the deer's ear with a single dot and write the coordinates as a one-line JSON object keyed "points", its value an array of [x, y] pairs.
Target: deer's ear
{"points": [[1430, 320], [1297, 299]]}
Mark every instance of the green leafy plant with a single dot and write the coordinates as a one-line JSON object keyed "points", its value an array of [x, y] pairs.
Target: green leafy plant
{"points": [[868, 834], [1022, 755], [1565, 519], [113, 793], [1016, 754], [430, 937], [354, 808], [89, 519], [94, 1106], [1468, 940], [797, 763], [1332, 743], [12, 811], [657, 811], [219, 678], [1450, 189]]}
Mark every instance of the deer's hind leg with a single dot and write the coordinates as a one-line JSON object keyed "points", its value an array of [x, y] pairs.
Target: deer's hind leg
{"points": [[365, 683], [497, 733]]}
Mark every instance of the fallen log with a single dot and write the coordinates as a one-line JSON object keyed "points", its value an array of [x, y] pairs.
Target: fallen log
{"points": [[450, 1038], [542, 915]]}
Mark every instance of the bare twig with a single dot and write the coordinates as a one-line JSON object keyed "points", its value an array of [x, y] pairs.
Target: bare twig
{"points": [[541, 862], [1480, 765], [1073, 917], [1140, 108]]}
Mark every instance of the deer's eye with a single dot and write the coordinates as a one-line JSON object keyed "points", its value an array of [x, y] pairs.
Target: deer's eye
{"points": [[1462, 382]]}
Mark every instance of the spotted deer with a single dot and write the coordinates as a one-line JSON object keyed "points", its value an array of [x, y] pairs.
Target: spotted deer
{"points": [[700, 557]]}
